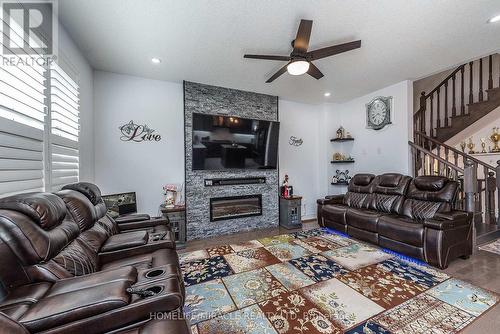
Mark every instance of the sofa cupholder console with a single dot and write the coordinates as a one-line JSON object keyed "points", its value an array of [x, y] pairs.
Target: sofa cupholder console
{"points": [[154, 273]]}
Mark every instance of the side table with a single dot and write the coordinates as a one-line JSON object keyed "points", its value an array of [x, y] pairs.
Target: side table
{"points": [[290, 212], [176, 217]]}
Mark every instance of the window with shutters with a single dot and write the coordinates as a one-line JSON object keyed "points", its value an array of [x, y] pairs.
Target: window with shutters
{"points": [[23, 90], [39, 126], [64, 128]]}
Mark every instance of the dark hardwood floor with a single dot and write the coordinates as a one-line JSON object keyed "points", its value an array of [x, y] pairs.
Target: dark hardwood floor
{"points": [[481, 269]]}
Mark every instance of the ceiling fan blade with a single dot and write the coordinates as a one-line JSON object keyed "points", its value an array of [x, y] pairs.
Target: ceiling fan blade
{"points": [[301, 42], [277, 74], [333, 50], [282, 58], [314, 71]]}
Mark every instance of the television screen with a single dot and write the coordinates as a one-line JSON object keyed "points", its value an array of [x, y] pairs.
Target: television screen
{"points": [[229, 142]]}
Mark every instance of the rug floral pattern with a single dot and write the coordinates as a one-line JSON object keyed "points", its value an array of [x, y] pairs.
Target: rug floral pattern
{"points": [[317, 281]]}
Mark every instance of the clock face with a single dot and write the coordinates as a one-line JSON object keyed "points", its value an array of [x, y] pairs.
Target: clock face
{"points": [[379, 113]]}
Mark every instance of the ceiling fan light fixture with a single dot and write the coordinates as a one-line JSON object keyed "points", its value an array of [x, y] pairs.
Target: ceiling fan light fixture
{"points": [[298, 67], [494, 19]]}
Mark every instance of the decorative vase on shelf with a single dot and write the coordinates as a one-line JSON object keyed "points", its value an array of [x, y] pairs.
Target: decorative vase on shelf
{"points": [[495, 138]]}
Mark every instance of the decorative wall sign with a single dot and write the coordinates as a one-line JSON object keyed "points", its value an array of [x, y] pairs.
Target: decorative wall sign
{"points": [[294, 141], [138, 133]]}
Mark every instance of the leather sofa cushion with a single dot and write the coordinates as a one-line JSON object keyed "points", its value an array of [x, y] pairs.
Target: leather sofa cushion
{"points": [[335, 213], [90, 190], [25, 294], [132, 217], [95, 237], [46, 209], [78, 258], [72, 306], [363, 219], [401, 228], [125, 240], [430, 182], [128, 274], [361, 183], [150, 260]]}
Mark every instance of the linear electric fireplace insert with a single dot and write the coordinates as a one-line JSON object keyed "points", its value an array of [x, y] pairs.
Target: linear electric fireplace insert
{"points": [[235, 207]]}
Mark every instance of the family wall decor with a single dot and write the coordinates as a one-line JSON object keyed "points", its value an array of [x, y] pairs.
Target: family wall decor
{"points": [[138, 133], [294, 141]]}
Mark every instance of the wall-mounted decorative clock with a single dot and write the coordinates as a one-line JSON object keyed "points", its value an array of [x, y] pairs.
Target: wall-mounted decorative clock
{"points": [[378, 112]]}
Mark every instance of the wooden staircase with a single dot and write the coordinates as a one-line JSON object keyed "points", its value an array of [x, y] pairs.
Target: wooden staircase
{"points": [[465, 96]]}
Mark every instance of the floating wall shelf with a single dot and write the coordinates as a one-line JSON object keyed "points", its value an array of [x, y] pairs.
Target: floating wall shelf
{"points": [[341, 139], [342, 161]]}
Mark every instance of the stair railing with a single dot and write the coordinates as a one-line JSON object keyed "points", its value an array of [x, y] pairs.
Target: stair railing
{"points": [[431, 157], [449, 98]]}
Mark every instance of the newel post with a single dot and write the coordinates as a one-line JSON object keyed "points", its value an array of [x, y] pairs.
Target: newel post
{"points": [[497, 172], [490, 197], [470, 188], [470, 185]]}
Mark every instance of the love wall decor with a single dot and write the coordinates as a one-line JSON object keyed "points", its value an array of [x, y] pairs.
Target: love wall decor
{"points": [[138, 133]]}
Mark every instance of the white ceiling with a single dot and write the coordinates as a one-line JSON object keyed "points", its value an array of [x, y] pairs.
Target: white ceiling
{"points": [[204, 40]]}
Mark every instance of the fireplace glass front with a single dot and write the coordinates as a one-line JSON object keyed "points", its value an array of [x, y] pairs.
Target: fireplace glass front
{"points": [[235, 207]]}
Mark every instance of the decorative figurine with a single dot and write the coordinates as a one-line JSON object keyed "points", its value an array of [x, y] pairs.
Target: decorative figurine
{"points": [[495, 138], [463, 145], [286, 190], [341, 133], [171, 191], [483, 145], [471, 146]]}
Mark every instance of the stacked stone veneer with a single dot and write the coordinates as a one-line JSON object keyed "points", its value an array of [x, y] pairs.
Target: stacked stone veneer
{"points": [[205, 99]]}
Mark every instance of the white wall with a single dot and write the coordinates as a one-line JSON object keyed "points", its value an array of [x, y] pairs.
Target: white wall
{"points": [[375, 152], [141, 167], [301, 163], [76, 65]]}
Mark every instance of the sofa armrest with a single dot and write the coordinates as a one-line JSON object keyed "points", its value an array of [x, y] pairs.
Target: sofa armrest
{"points": [[132, 217], [155, 221], [448, 220], [332, 199]]}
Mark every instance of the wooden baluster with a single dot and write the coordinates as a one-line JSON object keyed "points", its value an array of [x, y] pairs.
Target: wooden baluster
{"points": [[446, 118], [490, 70], [454, 107], [471, 94], [447, 154], [490, 197], [423, 107], [438, 113], [462, 95], [455, 158], [497, 174], [481, 80], [432, 116]]}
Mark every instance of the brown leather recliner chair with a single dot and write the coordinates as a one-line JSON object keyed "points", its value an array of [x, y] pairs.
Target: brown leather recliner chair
{"points": [[40, 245], [414, 217], [126, 222]]}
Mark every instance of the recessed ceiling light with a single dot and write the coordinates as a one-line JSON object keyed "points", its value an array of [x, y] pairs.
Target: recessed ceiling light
{"points": [[155, 60], [494, 19], [327, 94]]}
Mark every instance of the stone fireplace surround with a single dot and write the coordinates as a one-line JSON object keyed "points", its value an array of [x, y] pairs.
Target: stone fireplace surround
{"points": [[205, 99]]}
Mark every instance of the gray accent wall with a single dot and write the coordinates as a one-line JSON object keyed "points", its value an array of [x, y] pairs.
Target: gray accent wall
{"points": [[205, 99]]}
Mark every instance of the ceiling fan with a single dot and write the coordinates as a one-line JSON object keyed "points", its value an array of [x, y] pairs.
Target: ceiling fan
{"points": [[300, 60]]}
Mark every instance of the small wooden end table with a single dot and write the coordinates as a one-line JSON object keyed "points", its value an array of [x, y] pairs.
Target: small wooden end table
{"points": [[176, 217]]}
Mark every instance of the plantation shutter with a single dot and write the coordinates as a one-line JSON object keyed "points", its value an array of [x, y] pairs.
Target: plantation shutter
{"points": [[22, 119], [65, 128]]}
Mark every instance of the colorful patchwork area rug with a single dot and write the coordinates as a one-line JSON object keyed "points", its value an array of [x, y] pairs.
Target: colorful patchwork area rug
{"points": [[492, 247], [322, 282]]}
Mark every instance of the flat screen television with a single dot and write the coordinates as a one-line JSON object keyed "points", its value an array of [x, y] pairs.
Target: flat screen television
{"points": [[230, 142]]}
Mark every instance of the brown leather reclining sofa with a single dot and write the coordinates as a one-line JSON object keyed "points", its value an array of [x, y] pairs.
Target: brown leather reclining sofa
{"points": [[411, 216], [66, 267]]}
